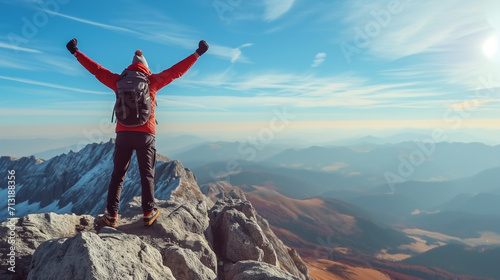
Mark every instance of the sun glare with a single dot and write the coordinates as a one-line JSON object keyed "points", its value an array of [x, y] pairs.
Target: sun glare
{"points": [[490, 47]]}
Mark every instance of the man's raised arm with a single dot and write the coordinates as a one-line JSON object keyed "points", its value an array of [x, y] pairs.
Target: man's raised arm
{"points": [[180, 68], [105, 76]]}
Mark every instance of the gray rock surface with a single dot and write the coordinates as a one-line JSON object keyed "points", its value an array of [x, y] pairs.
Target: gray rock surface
{"points": [[107, 255], [34, 229], [231, 199], [188, 241], [237, 235], [187, 264], [179, 234]]}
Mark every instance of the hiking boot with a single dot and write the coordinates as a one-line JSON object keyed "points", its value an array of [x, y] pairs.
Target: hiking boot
{"points": [[151, 216], [109, 220]]}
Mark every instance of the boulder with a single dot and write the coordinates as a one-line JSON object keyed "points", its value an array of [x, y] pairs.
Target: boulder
{"points": [[34, 229], [230, 206], [237, 235]]}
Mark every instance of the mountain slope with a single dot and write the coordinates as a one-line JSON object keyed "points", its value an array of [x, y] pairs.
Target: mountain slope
{"points": [[457, 224], [461, 259], [474, 195], [221, 151], [295, 183], [168, 144], [477, 204]]}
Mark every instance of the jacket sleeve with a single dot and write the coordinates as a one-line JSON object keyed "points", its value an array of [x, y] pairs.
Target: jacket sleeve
{"points": [[162, 79], [105, 76]]}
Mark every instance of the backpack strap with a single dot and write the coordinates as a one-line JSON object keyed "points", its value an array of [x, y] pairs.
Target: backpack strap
{"points": [[123, 74]]}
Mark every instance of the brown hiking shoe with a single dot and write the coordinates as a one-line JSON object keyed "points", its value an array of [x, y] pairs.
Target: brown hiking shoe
{"points": [[151, 216], [109, 220]]}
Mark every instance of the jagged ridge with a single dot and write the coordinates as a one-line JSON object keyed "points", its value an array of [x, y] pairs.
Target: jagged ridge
{"points": [[78, 182]]}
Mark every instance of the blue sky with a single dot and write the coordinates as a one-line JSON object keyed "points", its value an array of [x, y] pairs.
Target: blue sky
{"points": [[292, 67]]}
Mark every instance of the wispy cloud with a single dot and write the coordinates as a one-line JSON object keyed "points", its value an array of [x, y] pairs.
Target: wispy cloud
{"points": [[41, 62], [250, 103], [52, 112], [236, 52], [188, 102], [17, 48], [275, 9], [161, 30], [14, 62], [446, 36], [470, 104], [34, 4], [64, 64], [309, 91], [151, 31], [318, 59], [232, 54], [158, 32], [51, 85], [414, 27], [94, 23]]}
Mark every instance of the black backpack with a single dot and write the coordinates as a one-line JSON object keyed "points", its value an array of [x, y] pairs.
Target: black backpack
{"points": [[133, 102]]}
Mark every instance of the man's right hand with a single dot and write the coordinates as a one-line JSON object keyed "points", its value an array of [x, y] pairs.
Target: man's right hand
{"points": [[71, 46], [202, 47]]}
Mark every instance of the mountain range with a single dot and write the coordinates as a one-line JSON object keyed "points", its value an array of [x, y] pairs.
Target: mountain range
{"points": [[477, 195], [78, 182], [423, 161], [326, 215], [376, 164], [172, 144]]}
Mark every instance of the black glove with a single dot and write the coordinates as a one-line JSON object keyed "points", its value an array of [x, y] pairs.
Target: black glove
{"points": [[71, 46], [202, 47]]}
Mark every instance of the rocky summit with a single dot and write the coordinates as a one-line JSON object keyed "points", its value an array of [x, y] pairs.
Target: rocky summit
{"points": [[197, 236]]}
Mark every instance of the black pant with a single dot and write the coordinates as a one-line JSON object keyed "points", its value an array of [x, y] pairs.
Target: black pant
{"points": [[125, 144]]}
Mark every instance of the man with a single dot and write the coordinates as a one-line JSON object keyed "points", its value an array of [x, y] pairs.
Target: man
{"points": [[139, 138]]}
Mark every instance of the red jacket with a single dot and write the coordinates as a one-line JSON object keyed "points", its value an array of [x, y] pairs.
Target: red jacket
{"points": [[157, 81]]}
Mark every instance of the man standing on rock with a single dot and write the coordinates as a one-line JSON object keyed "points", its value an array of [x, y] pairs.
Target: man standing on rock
{"points": [[140, 138]]}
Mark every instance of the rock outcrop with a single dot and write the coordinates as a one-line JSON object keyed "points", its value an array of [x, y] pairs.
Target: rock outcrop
{"points": [[195, 237], [241, 235], [108, 255], [33, 230]]}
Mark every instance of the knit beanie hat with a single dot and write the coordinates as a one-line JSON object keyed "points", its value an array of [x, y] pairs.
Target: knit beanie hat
{"points": [[138, 57]]}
